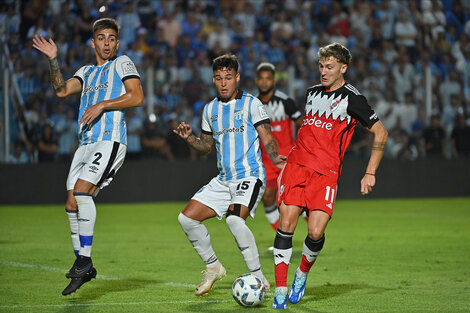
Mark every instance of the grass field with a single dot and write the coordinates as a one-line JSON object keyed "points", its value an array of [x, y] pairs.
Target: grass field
{"points": [[379, 256]]}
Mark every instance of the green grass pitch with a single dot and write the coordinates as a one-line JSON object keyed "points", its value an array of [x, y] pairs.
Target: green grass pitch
{"points": [[379, 256]]}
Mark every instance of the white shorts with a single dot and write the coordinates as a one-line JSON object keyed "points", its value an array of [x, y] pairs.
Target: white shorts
{"points": [[96, 163], [219, 195]]}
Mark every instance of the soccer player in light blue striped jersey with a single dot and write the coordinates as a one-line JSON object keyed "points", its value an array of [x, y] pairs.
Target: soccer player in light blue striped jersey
{"points": [[236, 122], [107, 89]]}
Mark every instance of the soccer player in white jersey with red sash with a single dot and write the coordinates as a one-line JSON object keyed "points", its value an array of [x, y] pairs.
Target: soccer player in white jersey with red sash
{"points": [[107, 89], [309, 178], [236, 122]]}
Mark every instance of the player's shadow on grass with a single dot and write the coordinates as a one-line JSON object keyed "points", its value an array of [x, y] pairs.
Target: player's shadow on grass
{"points": [[95, 289], [211, 302]]}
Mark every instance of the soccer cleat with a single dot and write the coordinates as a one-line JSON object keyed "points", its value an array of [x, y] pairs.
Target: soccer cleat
{"points": [[210, 277], [265, 281], [280, 300], [81, 266], [298, 288], [77, 282]]}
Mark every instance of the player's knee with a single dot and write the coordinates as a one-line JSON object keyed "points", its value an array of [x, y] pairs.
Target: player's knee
{"points": [[316, 233], [71, 205], [234, 220], [286, 225], [186, 222]]}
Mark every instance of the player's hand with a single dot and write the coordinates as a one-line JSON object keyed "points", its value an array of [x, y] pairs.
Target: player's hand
{"points": [[47, 47], [280, 161], [183, 130], [91, 114], [367, 183]]}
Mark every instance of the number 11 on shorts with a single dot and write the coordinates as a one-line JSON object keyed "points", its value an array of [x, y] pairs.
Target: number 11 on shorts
{"points": [[327, 194]]}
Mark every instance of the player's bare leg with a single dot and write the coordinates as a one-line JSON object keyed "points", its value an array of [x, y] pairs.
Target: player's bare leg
{"points": [[191, 219]]}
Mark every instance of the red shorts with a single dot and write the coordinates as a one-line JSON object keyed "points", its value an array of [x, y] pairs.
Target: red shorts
{"points": [[272, 172], [304, 187]]}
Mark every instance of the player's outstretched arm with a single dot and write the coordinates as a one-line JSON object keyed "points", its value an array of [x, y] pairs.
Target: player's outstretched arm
{"points": [[133, 97], [62, 88], [202, 145], [270, 145], [378, 148]]}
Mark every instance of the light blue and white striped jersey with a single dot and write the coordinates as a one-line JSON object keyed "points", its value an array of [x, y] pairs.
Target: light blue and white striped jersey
{"points": [[233, 126], [104, 82]]}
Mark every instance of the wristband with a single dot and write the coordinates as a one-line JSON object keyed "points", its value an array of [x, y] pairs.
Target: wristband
{"points": [[371, 174]]}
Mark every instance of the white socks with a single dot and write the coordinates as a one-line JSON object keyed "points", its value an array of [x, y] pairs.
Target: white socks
{"points": [[245, 241], [199, 237], [74, 227], [86, 220]]}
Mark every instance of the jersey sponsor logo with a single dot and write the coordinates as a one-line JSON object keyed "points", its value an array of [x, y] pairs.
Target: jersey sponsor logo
{"points": [[96, 88], [240, 129], [128, 68], [317, 123]]}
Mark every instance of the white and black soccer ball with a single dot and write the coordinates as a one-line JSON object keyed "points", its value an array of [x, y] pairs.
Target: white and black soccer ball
{"points": [[248, 290]]}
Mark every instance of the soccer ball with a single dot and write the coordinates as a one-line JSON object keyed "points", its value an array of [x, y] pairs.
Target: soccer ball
{"points": [[248, 290]]}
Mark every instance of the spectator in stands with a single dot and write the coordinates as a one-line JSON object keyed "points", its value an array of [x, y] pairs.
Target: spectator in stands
{"points": [[434, 137], [47, 145], [153, 140], [460, 138]]}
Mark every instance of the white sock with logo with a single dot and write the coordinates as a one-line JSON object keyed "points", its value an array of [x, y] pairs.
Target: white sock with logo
{"points": [[86, 220], [200, 238], [245, 241]]}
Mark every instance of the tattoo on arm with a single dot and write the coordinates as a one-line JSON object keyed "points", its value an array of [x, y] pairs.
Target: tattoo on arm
{"points": [[379, 146], [58, 82], [271, 147], [202, 145]]}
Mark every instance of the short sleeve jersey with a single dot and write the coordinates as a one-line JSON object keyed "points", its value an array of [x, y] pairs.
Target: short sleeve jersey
{"points": [[281, 110], [328, 125], [104, 82], [233, 127]]}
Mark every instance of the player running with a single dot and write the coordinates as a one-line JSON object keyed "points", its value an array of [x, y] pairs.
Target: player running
{"points": [[107, 89], [309, 179], [281, 110], [235, 121]]}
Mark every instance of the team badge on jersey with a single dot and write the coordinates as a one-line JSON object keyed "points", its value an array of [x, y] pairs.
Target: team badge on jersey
{"points": [[334, 104]]}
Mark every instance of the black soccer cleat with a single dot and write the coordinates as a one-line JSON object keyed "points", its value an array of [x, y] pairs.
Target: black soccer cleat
{"points": [[77, 282], [81, 266]]}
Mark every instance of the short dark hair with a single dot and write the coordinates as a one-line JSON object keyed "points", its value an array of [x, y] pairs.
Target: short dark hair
{"points": [[336, 50], [228, 61], [266, 66], [105, 23]]}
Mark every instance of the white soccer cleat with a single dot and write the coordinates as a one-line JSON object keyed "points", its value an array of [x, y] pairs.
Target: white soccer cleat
{"points": [[210, 277], [265, 281]]}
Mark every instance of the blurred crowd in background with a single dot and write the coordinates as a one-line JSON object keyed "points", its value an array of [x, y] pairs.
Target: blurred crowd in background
{"points": [[393, 43]]}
